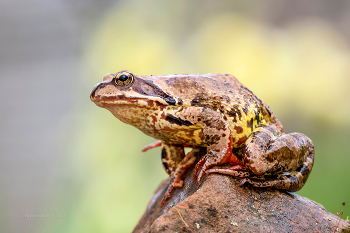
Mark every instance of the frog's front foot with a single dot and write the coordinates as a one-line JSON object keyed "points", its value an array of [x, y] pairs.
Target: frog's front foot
{"points": [[211, 159], [198, 166], [177, 175]]}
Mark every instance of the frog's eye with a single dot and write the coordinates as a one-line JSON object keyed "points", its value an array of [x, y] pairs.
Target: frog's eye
{"points": [[124, 79]]}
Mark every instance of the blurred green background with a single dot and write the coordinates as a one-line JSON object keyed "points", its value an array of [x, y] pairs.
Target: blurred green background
{"points": [[69, 166]]}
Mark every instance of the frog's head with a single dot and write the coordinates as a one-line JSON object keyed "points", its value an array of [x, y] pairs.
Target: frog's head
{"points": [[125, 93], [125, 88]]}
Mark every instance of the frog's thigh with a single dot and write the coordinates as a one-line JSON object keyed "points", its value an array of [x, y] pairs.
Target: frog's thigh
{"points": [[266, 152], [172, 156], [292, 182]]}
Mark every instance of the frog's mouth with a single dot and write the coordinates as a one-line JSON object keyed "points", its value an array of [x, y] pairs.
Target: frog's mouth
{"points": [[93, 96], [103, 101], [108, 98]]}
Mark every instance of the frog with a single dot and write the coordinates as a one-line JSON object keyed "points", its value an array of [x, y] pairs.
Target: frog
{"points": [[241, 136]]}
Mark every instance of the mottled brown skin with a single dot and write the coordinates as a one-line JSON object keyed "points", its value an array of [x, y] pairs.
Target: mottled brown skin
{"points": [[214, 111]]}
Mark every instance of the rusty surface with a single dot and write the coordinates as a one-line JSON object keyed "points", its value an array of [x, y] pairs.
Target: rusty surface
{"points": [[219, 204]]}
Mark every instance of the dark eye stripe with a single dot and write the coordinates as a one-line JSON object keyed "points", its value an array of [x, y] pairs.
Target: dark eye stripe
{"points": [[148, 88]]}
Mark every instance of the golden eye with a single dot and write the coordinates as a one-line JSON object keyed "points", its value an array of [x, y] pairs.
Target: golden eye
{"points": [[124, 79]]}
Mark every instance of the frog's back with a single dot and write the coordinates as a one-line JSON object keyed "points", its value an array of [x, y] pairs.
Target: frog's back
{"points": [[216, 91], [193, 88], [223, 93]]}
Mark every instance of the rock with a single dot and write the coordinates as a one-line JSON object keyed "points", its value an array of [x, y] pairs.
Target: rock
{"points": [[220, 205]]}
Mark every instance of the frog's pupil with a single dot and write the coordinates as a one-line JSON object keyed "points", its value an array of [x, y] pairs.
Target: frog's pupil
{"points": [[123, 78]]}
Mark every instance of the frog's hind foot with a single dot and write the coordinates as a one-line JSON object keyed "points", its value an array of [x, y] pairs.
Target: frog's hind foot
{"points": [[291, 182], [238, 171], [177, 175]]}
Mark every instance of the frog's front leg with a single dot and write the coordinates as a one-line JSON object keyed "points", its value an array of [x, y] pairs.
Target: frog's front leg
{"points": [[216, 136], [267, 151], [176, 164]]}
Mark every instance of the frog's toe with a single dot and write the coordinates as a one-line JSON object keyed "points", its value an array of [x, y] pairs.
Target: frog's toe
{"points": [[167, 194], [291, 183], [237, 171], [242, 181], [174, 183], [203, 171], [152, 145], [198, 166], [201, 174], [204, 164], [261, 183]]}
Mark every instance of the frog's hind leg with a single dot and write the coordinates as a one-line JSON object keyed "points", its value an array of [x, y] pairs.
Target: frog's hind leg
{"points": [[291, 182], [267, 151], [176, 164]]}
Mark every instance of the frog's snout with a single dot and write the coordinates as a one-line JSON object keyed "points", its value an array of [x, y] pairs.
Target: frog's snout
{"points": [[93, 92], [106, 79]]}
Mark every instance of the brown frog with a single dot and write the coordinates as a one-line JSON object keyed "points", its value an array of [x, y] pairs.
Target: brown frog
{"points": [[212, 111]]}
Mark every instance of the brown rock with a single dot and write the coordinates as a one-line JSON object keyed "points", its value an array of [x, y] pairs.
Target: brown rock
{"points": [[220, 205]]}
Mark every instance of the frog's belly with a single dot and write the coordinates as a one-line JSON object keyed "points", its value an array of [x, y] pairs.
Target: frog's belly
{"points": [[185, 137]]}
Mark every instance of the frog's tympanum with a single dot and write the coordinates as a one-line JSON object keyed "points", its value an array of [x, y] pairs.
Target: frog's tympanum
{"points": [[212, 111]]}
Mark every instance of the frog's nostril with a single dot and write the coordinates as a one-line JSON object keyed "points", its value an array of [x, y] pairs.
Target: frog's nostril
{"points": [[107, 77]]}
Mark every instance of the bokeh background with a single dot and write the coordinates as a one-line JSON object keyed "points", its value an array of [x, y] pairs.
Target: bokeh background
{"points": [[68, 166]]}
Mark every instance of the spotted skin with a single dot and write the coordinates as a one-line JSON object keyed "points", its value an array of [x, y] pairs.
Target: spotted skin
{"points": [[214, 111], [268, 152], [291, 182]]}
